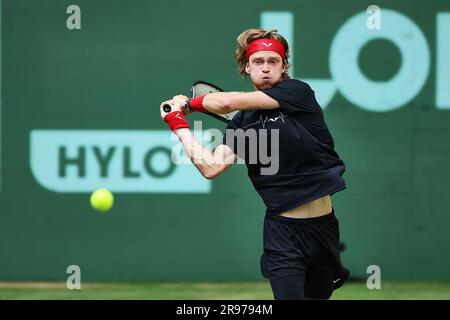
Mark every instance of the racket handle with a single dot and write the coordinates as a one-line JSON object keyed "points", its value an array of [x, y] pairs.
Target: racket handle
{"points": [[167, 108]]}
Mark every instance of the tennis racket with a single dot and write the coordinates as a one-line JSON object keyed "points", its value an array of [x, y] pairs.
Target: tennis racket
{"points": [[201, 88]]}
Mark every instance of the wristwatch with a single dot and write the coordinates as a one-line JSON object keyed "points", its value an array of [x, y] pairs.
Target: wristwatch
{"points": [[187, 104]]}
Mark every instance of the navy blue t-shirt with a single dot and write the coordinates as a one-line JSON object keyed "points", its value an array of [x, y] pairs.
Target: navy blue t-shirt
{"points": [[308, 166]]}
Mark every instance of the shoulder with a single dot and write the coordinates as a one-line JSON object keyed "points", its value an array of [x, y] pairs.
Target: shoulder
{"points": [[292, 88], [293, 96], [293, 84]]}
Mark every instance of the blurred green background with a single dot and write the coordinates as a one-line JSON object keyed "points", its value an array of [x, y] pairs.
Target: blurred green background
{"points": [[104, 83]]}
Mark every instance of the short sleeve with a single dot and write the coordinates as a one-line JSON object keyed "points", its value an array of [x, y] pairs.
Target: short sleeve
{"points": [[293, 96]]}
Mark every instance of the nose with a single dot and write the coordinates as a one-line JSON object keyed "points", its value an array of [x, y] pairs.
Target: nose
{"points": [[265, 67]]}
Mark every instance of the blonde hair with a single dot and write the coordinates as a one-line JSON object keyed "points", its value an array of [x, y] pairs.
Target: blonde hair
{"points": [[252, 34]]}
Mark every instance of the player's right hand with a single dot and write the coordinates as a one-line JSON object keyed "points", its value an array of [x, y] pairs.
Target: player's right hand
{"points": [[181, 100]]}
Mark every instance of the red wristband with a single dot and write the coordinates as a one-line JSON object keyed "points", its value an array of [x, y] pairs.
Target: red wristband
{"points": [[176, 120], [196, 104]]}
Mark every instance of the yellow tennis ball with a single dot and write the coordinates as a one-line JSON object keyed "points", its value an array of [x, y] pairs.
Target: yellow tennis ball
{"points": [[102, 200]]}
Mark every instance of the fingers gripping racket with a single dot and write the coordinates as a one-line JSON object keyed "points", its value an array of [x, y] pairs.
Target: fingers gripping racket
{"points": [[201, 88]]}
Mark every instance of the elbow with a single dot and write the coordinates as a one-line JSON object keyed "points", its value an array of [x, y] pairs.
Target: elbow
{"points": [[209, 177], [211, 173]]}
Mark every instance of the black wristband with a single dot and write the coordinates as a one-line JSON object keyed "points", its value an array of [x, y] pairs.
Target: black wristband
{"points": [[187, 104]]}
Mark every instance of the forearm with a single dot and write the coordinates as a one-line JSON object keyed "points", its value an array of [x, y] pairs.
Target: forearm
{"points": [[221, 102], [210, 164], [200, 156], [225, 102]]}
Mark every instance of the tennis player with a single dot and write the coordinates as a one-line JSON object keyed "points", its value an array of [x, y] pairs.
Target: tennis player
{"points": [[301, 257]]}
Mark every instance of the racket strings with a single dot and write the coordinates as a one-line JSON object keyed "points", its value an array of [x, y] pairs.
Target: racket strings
{"points": [[201, 89]]}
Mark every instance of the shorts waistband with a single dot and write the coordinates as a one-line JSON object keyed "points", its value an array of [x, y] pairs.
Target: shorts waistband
{"points": [[302, 221]]}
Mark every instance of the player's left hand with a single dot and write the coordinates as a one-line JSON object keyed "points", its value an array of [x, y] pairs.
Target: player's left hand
{"points": [[175, 107]]}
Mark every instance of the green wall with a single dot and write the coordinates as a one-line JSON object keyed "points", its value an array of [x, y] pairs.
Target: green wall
{"points": [[104, 83]]}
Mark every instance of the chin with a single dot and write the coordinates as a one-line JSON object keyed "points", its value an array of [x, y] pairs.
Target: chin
{"points": [[264, 85]]}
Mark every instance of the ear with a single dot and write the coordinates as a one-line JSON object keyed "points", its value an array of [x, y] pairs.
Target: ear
{"points": [[247, 68]]}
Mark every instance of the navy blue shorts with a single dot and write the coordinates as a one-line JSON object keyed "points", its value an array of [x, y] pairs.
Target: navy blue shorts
{"points": [[301, 257]]}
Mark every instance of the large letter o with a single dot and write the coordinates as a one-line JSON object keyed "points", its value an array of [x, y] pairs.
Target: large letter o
{"points": [[373, 95]]}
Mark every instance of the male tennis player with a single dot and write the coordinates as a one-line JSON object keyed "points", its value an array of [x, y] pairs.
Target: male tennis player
{"points": [[301, 232]]}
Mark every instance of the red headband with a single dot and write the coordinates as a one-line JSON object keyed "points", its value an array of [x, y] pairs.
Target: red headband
{"points": [[265, 45]]}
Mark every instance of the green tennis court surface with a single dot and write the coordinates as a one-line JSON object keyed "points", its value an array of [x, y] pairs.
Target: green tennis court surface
{"points": [[211, 291]]}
